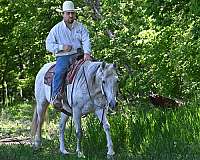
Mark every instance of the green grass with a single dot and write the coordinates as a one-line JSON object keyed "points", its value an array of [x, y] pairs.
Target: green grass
{"points": [[139, 132]]}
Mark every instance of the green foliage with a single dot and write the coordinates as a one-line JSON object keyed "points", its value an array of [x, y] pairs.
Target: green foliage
{"points": [[138, 132], [155, 44]]}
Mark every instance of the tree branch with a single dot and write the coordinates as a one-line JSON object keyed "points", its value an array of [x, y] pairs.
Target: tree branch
{"points": [[95, 5]]}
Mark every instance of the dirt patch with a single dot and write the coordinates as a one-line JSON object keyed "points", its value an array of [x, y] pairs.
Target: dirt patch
{"points": [[13, 140]]}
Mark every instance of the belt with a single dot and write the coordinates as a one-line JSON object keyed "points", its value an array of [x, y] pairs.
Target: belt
{"points": [[73, 51]]}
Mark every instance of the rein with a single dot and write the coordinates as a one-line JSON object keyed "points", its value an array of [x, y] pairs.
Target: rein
{"points": [[86, 83], [103, 90]]}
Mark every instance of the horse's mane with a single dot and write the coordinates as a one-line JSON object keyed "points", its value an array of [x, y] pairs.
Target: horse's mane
{"points": [[91, 67]]}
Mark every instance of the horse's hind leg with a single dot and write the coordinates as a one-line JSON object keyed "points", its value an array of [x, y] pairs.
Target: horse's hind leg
{"points": [[106, 126], [40, 111], [62, 125]]}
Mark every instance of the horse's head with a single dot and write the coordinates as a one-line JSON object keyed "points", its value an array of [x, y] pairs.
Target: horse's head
{"points": [[109, 83]]}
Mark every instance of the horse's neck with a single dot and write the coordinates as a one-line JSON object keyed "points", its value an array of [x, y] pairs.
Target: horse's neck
{"points": [[90, 72], [91, 68]]}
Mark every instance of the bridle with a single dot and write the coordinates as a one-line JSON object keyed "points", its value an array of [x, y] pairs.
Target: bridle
{"points": [[102, 86], [102, 90], [103, 93]]}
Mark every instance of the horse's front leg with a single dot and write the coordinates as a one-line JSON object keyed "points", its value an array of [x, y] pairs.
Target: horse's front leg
{"points": [[77, 123], [106, 126], [62, 125]]}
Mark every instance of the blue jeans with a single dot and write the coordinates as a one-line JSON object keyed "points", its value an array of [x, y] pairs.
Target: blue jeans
{"points": [[62, 65]]}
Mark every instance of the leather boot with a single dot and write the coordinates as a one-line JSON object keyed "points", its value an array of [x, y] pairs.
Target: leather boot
{"points": [[57, 103]]}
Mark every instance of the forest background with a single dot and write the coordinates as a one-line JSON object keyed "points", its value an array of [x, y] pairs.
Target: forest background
{"points": [[155, 44]]}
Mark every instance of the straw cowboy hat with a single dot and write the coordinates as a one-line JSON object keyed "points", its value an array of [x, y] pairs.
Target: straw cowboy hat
{"points": [[68, 6]]}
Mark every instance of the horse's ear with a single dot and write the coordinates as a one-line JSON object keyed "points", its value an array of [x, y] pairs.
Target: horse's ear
{"points": [[103, 65]]}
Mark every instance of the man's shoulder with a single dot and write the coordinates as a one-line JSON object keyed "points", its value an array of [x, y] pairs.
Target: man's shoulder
{"points": [[58, 25], [79, 25]]}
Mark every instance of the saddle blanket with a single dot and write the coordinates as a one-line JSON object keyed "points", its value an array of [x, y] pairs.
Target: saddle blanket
{"points": [[74, 67]]}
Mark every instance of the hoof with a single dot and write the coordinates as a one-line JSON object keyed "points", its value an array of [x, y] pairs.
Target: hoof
{"points": [[110, 157], [36, 146], [81, 155], [64, 152], [111, 153]]}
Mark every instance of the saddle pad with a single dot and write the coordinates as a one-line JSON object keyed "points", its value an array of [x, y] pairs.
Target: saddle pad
{"points": [[48, 78]]}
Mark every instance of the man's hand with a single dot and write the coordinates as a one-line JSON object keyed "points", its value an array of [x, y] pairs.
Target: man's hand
{"points": [[67, 48], [87, 56]]}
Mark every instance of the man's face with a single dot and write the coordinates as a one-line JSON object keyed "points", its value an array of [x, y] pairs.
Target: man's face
{"points": [[69, 16]]}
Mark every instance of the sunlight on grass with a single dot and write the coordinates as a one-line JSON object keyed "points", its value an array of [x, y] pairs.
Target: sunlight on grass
{"points": [[139, 133]]}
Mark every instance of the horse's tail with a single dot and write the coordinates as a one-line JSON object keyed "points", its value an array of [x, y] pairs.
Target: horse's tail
{"points": [[44, 118], [34, 123], [41, 101]]}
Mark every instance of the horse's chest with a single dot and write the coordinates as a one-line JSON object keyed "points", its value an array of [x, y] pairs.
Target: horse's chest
{"points": [[88, 108]]}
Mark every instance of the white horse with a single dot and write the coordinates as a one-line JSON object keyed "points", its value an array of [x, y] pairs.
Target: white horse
{"points": [[93, 89]]}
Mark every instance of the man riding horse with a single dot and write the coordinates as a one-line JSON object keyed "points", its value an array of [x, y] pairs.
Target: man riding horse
{"points": [[64, 39]]}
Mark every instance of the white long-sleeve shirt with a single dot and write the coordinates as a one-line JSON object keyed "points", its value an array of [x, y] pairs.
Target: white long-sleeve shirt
{"points": [[60, 35]]}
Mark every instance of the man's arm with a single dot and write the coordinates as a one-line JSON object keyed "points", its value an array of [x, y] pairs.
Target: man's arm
{"points": [[86, 44], [52, 45]]}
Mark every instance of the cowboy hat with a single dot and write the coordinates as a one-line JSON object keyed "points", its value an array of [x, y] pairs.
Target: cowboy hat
{"points": [[68, 6]]}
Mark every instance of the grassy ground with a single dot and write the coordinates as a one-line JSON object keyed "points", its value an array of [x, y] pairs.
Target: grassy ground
{"points": [[139, 132]]}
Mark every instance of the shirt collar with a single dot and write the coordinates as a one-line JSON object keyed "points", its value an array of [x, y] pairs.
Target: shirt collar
{"points": [[73, 24]]}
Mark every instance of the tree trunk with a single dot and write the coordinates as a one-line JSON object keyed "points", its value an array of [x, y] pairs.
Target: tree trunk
{"points": [[95, 5]]}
